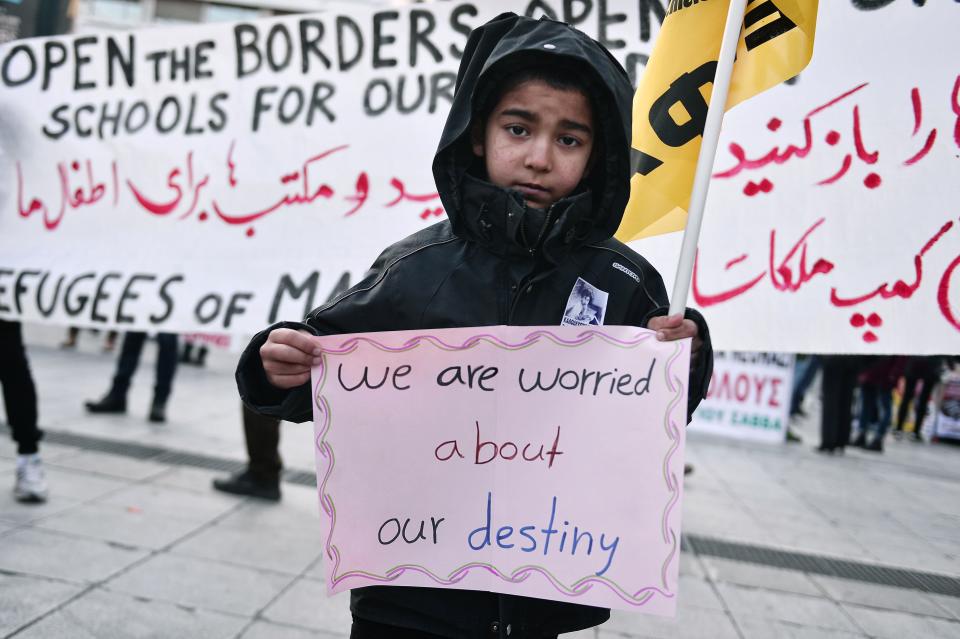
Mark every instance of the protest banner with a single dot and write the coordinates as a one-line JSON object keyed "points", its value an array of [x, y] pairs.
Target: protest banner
{"points": [[473, 457], [220, 177], [748, 397]]}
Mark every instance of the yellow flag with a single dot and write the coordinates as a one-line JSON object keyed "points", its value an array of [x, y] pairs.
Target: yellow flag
{"points": [[670, 106]]}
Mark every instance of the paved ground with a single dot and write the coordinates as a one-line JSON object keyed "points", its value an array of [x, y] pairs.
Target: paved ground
{"points": [[130, 547]]}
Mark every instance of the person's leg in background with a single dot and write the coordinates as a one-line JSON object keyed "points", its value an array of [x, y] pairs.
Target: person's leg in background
{"points": [[923, 401], [830, 415], [909, 388], [70, 341], [262, 476], [869, 413], [848, 384], [20, 401], [115, 401], [804, 374], [166, 368]]}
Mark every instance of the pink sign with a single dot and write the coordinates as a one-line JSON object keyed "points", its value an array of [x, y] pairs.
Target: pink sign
{"points": [[538, 461]]}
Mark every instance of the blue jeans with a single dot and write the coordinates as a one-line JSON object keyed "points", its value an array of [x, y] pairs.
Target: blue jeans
{"points": [[876, 406], [803, 374]]}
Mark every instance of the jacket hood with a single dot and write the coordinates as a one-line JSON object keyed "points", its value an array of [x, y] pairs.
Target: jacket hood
{"points": [[493, 215]]}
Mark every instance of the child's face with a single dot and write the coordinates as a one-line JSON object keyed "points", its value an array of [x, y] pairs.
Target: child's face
{"points": [[538, 141]]}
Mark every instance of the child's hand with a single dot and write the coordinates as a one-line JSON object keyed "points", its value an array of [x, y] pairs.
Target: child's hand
{"points": [[287, 357], [672, 327]]}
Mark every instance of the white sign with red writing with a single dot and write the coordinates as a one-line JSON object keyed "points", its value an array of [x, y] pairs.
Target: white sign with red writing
{"points": [[749, 397], [832, 223]]}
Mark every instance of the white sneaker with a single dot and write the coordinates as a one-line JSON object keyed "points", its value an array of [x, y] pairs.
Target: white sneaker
{"points": [[31, 486]]}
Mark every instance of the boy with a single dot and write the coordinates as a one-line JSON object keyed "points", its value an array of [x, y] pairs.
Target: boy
{"points": [[533, 169]]}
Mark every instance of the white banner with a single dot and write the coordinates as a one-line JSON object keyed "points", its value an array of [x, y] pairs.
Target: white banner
{"points": [[833, 222], [219, 177], [748, 398]]}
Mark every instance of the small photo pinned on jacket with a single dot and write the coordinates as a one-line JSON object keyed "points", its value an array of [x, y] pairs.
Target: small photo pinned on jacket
{"points": [[586, 305]]}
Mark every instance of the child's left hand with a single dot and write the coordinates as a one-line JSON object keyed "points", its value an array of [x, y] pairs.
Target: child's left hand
{"points": [[672, 327]]}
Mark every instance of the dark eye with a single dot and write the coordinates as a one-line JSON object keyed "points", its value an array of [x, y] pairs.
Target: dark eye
{"points": [[568, 140], [517, 130]]}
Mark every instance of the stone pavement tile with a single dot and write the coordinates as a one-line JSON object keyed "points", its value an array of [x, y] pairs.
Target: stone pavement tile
{"points": [[759, 628], [38, 552], [890, 624], [201, 583], [878, 596], [307, 605], [299, 509], [698, 593], [23, 599], [690, 623], [109, 465], [284, 550], [589, 633], [757, 576], [816, 540], [81, 485], [107, 615], [14, 513], [172, 502], [914, 556], [267, 630], [129, 526], [781, 606], [196, 480], [949, 604], [8, 448], [690, 565]]}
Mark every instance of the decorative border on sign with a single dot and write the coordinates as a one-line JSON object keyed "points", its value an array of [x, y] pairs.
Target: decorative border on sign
{"points": [[577, 588]]}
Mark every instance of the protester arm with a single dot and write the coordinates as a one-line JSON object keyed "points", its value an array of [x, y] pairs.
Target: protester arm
{"points": [[263, 397]]}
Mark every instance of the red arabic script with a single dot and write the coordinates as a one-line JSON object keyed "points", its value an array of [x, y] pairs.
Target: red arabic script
{"points": [[786, 275], [900, 288]]}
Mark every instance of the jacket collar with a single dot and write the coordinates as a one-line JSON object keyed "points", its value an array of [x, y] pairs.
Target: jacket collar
{"points": [[494, 218]]}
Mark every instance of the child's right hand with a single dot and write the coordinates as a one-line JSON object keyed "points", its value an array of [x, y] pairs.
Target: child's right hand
{"points": [[288, 356]]}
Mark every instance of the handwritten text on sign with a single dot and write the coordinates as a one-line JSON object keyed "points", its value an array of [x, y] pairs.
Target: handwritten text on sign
{"points": [[544, 462]]}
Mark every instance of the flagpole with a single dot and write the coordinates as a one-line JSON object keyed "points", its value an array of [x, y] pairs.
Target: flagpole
{"points": [[708, 151]]}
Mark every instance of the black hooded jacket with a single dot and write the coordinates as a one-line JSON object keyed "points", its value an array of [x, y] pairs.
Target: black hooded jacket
{"points": [[484, 267]]}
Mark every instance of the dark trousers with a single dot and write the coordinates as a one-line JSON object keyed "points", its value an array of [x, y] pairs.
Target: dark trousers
{"points": [[920, 407], [130, 357], [19, 393], [839, 381], [262, 435]]}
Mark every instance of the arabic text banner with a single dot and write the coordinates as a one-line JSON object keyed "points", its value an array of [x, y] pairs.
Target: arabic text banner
{"points": [[544, 462], [220, 177], [833, 224]]}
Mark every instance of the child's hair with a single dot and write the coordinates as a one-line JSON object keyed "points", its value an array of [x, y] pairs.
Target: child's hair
{"points": [[537, 70]]}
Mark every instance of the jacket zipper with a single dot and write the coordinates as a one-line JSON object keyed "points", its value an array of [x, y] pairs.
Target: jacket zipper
{"points": [[525, 285]]}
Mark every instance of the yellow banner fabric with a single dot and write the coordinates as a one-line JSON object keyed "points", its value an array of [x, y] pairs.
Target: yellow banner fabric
{"points": [[670, 105]]}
